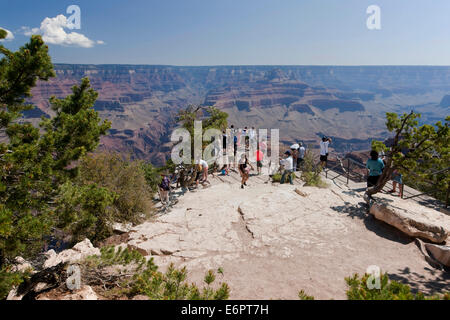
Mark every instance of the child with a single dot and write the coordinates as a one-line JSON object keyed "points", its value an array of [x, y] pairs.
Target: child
{"points": [[225, 170], [397, 179]]}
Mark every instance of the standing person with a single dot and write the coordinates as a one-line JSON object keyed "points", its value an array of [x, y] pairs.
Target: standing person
{"points": [[397, 179], [294, 159], [375, 166], [324, 151], [164, 188], [253, 135], [245, 134], [259, 160], [233, 140], [224, 142], [301, 155], [244, 169], [235, 148], [288, 166], [263, 146], [239, 135]]}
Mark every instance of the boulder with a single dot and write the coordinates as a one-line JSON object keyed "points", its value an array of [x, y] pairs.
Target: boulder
{"points": [[436, 255], [121, 228], [439, 253], [80, 251], [21, 265], [84, 293], [415, 221]]}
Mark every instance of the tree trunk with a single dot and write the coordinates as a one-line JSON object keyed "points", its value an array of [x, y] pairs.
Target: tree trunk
{"points": [[53, 277]]}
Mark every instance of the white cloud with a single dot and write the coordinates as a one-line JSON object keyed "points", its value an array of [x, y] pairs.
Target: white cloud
{"points": [[28, 31], [9, 35], [52, 31]]}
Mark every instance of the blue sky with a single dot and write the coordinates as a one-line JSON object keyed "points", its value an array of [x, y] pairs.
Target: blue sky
{"points": [[241, 32]]}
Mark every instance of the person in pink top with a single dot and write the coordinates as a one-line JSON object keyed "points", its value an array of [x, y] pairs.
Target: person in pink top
{"points": [[259, 160]]}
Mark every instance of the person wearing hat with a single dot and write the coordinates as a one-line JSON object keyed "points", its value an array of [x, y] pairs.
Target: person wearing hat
{"points": [[164, 188], [288, 167]]}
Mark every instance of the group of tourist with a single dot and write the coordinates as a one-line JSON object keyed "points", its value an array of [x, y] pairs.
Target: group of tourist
{"points": [[291, 162], [246, 137]]}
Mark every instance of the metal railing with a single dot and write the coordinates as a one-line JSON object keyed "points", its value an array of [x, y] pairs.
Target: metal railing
{"points": [[355, 171]]}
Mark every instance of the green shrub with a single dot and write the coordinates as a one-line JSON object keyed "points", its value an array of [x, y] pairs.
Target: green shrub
{"points": [[303, 296], [313, 179], [311, 171], [125, 178], [152, 176], [85, 211], [143, 278], [9, 279], [108, 189], [276, 177], [389, 290]]}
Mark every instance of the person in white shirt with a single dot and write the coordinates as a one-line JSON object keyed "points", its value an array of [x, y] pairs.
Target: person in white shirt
{"points": [[301, 155], [252, 135], [324, 151], [288, 167], [204, 166]]}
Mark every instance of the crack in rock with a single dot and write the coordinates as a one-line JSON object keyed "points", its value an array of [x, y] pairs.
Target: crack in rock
{"points": [[241, 214]]}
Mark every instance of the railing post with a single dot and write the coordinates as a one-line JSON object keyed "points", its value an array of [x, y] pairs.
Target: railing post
{"points": [[403, 188]]}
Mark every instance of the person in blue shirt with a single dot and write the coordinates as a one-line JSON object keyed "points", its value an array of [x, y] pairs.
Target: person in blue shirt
{"points": [[375, 166]]}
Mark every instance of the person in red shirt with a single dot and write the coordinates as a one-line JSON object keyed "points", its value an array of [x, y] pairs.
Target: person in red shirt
{"points": [[259, 159]]}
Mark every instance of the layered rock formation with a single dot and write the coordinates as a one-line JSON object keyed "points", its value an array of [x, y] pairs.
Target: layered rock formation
{"points": [[347, 103]]}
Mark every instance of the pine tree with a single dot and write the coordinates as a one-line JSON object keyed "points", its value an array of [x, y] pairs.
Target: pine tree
{"points": [[35, 162], [418, 152]]}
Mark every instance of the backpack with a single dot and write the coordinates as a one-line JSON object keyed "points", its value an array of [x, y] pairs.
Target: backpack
{"points": [[165, 184]]}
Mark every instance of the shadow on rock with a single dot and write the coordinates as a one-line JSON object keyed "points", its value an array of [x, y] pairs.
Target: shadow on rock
{"points": [[437, 282], [360, 211]]}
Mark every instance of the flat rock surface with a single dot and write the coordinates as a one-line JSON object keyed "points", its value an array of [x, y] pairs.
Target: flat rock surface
{"points": [[272, 242]]}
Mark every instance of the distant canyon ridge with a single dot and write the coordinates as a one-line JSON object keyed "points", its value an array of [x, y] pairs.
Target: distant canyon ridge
{"points": [[304, 102]]}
